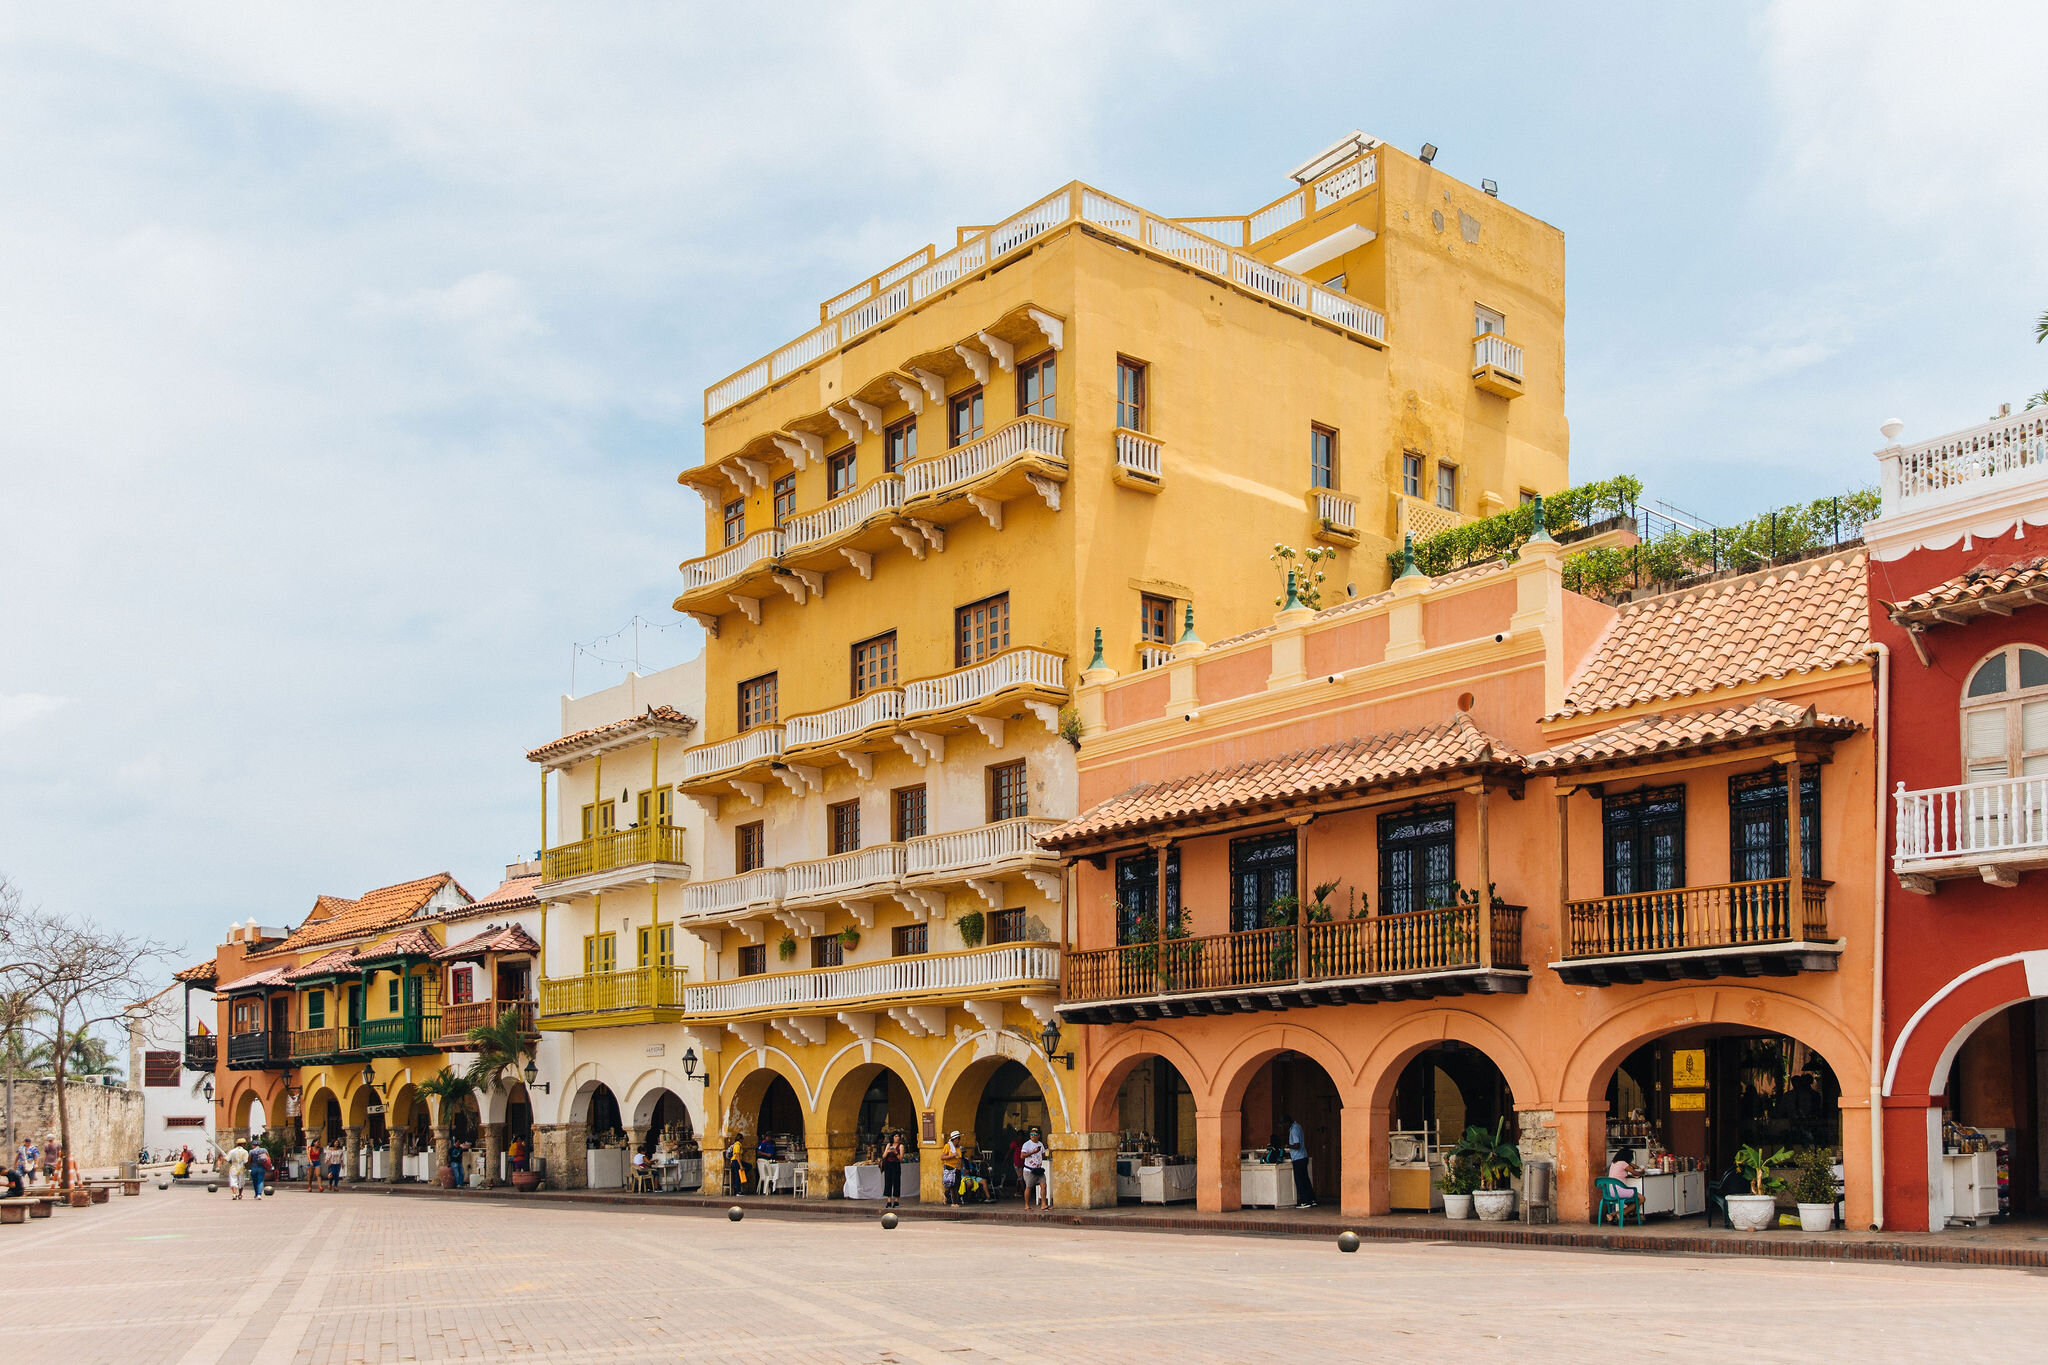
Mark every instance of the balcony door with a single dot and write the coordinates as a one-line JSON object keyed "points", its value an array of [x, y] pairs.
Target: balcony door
{"points": [[1261, 872], [1757, 831], [2005, 735], [355, 1005], [1418, 860], [280, 1015], [1645, 839], [512, 981]]}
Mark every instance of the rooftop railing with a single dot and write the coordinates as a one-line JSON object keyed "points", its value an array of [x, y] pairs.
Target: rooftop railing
{"points": [[866, 306], [1963, 461]]}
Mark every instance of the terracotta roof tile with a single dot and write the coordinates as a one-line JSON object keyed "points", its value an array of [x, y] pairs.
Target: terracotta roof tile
{"points": [[654, 720], [515, 893], [275, 976], [1677, 732], [1352, 764], [373, 911], [198, 971], [336, 963], [1987, 581], [411, 943], [495, 938], [1772, 624]]}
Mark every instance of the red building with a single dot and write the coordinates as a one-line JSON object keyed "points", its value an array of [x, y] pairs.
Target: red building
{"points": [[1959, 605]]}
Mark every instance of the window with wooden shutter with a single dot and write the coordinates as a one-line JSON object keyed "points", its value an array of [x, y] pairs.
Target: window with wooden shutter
{"points": [[2005, 716], [843, 821], [1035, 396], [874, 664], [759, 702], [1006, 792], [981, 629]]}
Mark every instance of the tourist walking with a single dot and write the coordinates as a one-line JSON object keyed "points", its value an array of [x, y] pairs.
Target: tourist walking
{"points": [[892, 1170], [238, 1168], [1297, 1152], [518, 1154], [949, 1177], [259, 1170], [333, 1166], [1032, 1158], [314, 1156], [736, 1165]]}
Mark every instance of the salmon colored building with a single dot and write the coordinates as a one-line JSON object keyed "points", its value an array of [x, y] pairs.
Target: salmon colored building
{"points": [[1549, 877], [1959, 579]]}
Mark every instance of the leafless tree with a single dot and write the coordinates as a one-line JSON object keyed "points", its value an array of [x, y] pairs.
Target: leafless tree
{"points": [[77, 975]]}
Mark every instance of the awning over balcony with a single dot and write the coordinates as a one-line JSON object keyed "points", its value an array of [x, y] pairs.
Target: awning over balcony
{"points": [[326, 967], [1656, 738], [1302, 780], [656, 722], [495, 938]]}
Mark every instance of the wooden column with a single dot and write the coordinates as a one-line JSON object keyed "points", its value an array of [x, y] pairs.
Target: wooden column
{"points": [[1485, 879], [1300, 824], [1564, 875], [1795, 865], [1159, 918], [543, 817]]}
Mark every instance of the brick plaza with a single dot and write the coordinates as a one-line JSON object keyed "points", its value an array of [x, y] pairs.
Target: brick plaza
{"points": [[183, 1276]]}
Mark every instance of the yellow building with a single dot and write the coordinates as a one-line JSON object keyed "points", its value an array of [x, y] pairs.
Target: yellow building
{"points": [[1055, 444]]}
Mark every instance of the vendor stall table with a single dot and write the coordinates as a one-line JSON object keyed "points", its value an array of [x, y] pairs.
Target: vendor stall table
{"points": [[865, 1182], [605, 1168]]}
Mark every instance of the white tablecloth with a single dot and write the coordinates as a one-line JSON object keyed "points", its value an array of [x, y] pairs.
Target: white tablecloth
{"points": [[604, 1168], [865, 1182], [777, 1177]]}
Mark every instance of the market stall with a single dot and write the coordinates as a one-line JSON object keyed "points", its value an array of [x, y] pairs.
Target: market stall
{"points": [[1266, 1180], [604, 1168], [1413, 1168], [864, 1180]]}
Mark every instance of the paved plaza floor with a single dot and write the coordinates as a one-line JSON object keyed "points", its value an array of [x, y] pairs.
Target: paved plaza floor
{"points": [[184, 1276]]}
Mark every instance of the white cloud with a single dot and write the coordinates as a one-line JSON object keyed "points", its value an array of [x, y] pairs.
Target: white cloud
{"points": [[19, 710]]}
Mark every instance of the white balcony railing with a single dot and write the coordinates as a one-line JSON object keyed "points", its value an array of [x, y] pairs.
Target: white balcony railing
{"points": [[1963, 461], [823, 727], [1975, 821], [983, 846], [1018, 668], [1497, 351], [1339, 509], [1212, 245], [758, 548], [1013, 963], [1138, 454], [844, 514], [756, 745], [1026, 436], [762, 886], [1154, 656], [877, 866]]}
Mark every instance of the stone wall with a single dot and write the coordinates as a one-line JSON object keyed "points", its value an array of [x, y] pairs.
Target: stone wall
{"points": [[106, 1123]]}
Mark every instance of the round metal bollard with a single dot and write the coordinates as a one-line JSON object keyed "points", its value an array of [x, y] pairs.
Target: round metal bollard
{"points": [[163, 1184], [888, 1221], [1347, 1241], [735, 1213], [211, 1187]]}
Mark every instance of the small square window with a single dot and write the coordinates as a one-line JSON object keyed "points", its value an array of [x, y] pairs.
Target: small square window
{"points": [[1155, 619], [758, 701], [1006, 926], [874, 664], [827, 951], [1528, 496], [981, 629], [1487, 322], [753, 959], [1335, 282], [907, 940]]}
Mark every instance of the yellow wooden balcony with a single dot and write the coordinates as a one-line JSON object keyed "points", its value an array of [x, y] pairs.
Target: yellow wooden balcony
{"points": [[587, 860], [638, 995]]}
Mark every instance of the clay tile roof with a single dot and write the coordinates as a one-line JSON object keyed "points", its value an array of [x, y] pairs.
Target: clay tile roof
{"points": [[275, 976], [516, 893], [327, 964], [1973, 593], [663, 720], [1772, 624], [367, 914], [495, 938], [1363, 761], [411, 943], [197, 972], [1657, 736]]}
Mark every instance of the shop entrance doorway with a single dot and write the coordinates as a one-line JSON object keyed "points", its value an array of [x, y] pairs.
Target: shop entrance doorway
{"points": [[1699, 1094], [1443, 1091], [1991, 1122], [1294, 1088]]}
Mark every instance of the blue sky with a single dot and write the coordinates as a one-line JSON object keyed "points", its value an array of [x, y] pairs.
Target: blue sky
{"points": [[348, 354]]}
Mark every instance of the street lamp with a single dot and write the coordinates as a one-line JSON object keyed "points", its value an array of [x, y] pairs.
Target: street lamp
{"points": [[530, 1071], [690, 1067], [206, 1088], [1049, 1039], [370, 1078]]}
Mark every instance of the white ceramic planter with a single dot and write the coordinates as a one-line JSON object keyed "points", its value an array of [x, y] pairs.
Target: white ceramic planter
{"points": [[1457, 1206], [1816, 1217], [1751, 1212], [1493, 1206]]}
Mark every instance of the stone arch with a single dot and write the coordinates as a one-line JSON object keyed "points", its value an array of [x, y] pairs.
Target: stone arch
{"points": [[1250, 1053], [746, 1082], [579, 1086], [355, 1103], [847, 1078], [967, 1068], [637, 1104], [1928, 1042], [315, 1100], [1108, 1068], [1413, 1035], [1584, 1078]]}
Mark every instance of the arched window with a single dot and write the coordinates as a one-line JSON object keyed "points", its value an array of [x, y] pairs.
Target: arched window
{"points": [[2005, 716]]}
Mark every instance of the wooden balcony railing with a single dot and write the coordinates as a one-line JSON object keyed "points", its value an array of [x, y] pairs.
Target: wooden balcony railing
{"points": [[619, 848], [258, 1049], [1413, 943], [1696, 917], [310, 1043], [202, 1051], [458, 1020], [400, 1030], [637, 988]]}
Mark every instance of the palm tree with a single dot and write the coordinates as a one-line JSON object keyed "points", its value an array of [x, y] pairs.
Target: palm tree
{"points": [[2040, 335], [499, 1047]]}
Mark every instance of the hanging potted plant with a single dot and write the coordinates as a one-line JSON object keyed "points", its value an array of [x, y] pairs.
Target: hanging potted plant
{"points": [[1754, 1211], [849, 938], [785, 947], [1813, 1189], [970, 926]]}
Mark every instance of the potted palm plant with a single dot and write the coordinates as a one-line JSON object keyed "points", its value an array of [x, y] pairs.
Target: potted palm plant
{"points": [[1753, 1212], [1459, 1179], [1497, 1162], [500, 1047], [450, 1087]]}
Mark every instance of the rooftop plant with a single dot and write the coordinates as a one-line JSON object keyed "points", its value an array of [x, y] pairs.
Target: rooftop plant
{"points": [[1793, 530], [1500, 536]]}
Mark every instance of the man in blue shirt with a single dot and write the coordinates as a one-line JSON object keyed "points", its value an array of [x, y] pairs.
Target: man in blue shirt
{"points": [[1297, 1152]]}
